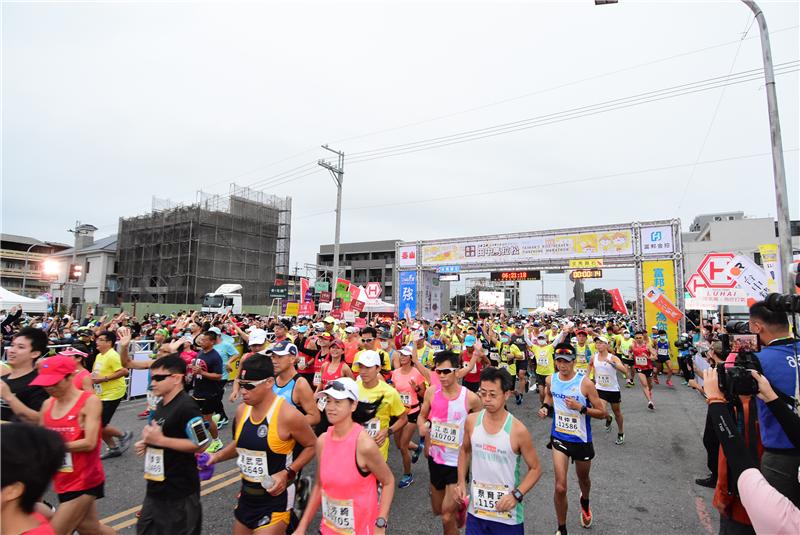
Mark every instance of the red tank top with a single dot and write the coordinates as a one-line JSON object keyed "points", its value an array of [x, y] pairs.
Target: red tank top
{"points": [[349, 499], [81, 470], [328, 375], [77, 379], [475, 376], [641, 357]]}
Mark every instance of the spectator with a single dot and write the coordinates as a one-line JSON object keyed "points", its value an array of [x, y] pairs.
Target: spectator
{"points": [[19, 401]]}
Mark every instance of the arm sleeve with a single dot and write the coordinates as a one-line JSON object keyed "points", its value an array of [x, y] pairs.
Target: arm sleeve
{"points": [[769, 510], [789, 421], [731, 441]]}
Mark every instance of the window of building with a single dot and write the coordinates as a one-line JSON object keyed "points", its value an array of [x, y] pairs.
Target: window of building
{"points": [[717, 218], [88, 267]]}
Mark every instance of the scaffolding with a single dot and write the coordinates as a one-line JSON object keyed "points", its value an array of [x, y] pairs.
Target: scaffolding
{"points": [[179, 252]]}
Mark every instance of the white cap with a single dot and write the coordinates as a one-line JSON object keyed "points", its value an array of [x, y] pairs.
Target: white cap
{"points": [[406, 350], [368, 358], [350, 330], [257, 337], [341, 388]]}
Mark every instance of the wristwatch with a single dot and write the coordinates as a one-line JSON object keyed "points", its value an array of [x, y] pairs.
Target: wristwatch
{"points": [[584, 409], [381, 522], [517, 495], [390, 431], [290, 474]]}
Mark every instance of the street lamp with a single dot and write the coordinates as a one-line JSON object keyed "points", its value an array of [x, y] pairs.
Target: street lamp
{"points": [[25, 269]]}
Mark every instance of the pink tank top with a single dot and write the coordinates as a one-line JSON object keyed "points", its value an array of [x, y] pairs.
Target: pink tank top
{"points": [[77, 379], [447, 418], [402, 383], [349, 499]]}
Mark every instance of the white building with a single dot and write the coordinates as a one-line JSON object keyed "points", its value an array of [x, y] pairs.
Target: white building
{"points": [[98, 283]]}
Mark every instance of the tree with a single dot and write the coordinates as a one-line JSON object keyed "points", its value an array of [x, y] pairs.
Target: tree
{"points": [[599, 299]]}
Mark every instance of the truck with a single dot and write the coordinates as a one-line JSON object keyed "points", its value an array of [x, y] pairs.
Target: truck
{"points": [[225, 299]]}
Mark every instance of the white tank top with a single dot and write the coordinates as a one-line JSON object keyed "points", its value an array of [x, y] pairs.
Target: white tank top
{"points": [[605, 375]]}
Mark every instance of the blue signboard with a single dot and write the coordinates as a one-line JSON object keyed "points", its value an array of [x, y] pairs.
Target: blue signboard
{"points": [[407, 297], [448, 269]]}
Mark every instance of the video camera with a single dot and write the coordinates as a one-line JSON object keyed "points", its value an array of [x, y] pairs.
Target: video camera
{"points": [[737, 380], [684, 343]]}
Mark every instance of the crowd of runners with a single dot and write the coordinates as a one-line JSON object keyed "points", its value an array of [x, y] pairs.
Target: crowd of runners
{"points": [[318, 389]]}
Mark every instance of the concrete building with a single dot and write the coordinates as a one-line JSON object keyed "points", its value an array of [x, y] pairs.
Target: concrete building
{"points": [[362, 262], [22, 264], [99, 283]]}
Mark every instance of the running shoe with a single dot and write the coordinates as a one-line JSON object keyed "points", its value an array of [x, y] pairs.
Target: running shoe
{"points": [[519, 399], [406, 481], [144, 414], [124, 442], [215, 446], [417, 452], [628, 384], [586, 517], [651, 406], [110, 453], [620, 440], [708, 482], [222, 423], [608, 424], [685, 382], [669, 382], [655, 379]]}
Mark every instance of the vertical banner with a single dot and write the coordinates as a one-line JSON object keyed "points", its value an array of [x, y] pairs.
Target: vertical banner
{"points": [[343, 289], [617, 301], [660, 275], [303, 289], [407, 295], [431, 295], [772, 265]]}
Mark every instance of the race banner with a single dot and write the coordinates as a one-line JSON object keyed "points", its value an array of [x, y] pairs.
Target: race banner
{"points": [[660, 274], [618, 302], [303, 289], [750, 277], [407, 302], [657, 297], [772, 265], [343, 289], [717, 297], [357, 305], [306, 309], [355, 292]]}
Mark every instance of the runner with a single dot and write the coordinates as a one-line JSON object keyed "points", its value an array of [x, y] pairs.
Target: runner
{"points": [[626, 356], [545, 366], [510, 358], [663, 354], [22, 401], [517, 338], [267, 429], [409, 380], [256, 343], [24, 482], [169, 442], [583, 351], [207, 376], [605, 366], [289, 385], [444, 410], [371, 389], [643, 357], [82, 378], [334, 368], [494, 447], [474, 359], [348, 490], [108, 376], [76, 416]]}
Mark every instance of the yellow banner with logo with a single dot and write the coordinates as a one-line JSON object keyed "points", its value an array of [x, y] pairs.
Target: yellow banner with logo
{"points": [[661, 274]]}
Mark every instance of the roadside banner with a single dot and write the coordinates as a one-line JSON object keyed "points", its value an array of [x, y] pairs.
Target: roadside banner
{"points": [[407, 301], [617, 301], [355, 292], [657, 297], [716, 297], [750, 277], [349, 316], [661, 275], [772, 265]]}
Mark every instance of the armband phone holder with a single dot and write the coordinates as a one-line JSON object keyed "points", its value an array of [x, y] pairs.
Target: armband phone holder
{"points": [[196, 431]]}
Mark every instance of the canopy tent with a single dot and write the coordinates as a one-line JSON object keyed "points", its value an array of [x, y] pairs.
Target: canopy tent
{"points": [[542, 310], [378, 306], [31, 306]]}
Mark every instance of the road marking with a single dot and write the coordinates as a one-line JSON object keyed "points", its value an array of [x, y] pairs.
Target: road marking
{"points": [[132, 510], [702, 514], [204, 492]]}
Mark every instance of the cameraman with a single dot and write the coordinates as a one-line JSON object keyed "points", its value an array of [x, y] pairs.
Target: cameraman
{"points": [[781, 460]]}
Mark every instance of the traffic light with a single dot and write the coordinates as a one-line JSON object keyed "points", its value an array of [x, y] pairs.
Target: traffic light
{"points": [[75, 272]]}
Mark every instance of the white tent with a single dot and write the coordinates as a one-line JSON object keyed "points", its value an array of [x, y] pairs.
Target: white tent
{"points": [[31, 306]]}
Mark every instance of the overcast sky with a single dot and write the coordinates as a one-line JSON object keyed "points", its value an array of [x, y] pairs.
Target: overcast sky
{"points": [[105, 105]]}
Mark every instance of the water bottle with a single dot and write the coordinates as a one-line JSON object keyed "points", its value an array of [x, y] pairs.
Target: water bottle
{"points": [[205, 470]]}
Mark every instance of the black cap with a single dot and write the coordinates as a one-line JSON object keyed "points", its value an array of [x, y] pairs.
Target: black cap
{"points": [[257, 367]]}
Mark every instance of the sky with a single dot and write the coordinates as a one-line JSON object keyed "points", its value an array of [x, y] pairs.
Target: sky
{"points": [[106, 105]]}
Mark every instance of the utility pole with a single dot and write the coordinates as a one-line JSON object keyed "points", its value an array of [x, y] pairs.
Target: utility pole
{"points": [[778, 168], [75, 232], [337, 173]]}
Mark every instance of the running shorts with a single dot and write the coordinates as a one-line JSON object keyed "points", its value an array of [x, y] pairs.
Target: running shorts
{"points": [[209, 404], [260, 511], [483, 526], [541, 380], [626, 361], [181, 516], [646, 373], [442, 475], [610, 396], [577, 451], [109, 408], [98, 492], [412, 418], [663, 358], [471, 386]]}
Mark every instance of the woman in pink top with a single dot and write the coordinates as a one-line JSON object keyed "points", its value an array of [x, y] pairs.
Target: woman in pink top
{"points": [[349, 468], [409, 380], [82, 378]]}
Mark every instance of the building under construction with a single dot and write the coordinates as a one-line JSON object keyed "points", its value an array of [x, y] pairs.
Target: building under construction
{"points": [[177, 254]]}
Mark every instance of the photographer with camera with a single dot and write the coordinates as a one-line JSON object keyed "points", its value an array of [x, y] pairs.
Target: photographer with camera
{"points": [[767, 509], [778, 361]]}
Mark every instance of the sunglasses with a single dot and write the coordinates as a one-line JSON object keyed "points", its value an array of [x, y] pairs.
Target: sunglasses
{"points": [[336, 385], [445, 371], [368, 339], [158, 377], [251, 385], [563, 352]]}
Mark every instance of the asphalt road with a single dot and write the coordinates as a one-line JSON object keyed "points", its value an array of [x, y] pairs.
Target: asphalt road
{"points": [[644, 486]]}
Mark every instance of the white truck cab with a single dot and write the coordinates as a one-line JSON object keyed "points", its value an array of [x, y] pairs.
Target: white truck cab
{"points": [[225, 299]]}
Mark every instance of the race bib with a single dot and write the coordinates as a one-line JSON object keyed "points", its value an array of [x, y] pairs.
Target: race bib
{"points": [[405, 398], [301, 362], [603, 380], [567, 423], [485, 497], [503, 365], [542, 361], [338, 515], [663, 351], [317, 378], [640, 361], [372, 427], [252, 464], [66, 466], [98, 388], [444, 434], [322, 403], [154, 464], [152, 401]]}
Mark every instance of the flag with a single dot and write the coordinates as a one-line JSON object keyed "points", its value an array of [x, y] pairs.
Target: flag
{"points": [[618, 301]]}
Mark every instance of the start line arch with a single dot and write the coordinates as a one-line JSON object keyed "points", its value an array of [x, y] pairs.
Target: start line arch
{"points": [[652, 248]]}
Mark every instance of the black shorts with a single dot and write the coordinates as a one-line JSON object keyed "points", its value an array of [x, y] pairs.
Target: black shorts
{"points": [[522, 365], [577, 451], [663, 358], [626, 361], [646, 373], [98, 492], [109, 408], [260, 511], [412, 418], [182, 516], [611, 397], [469, 385], [442, 475], [541, 380], [209, 404]]}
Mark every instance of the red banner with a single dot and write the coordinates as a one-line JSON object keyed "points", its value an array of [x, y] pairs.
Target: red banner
{"points": [[354, 292], [618, 301], [358, 306], [657, 297], [325, 297], [360, 323], [306, 309], [303, 290]]}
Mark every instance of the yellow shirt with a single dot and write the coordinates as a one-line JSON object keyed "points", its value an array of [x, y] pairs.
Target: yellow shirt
{"points": [[386, 361], [104, 365], [391, 406], [544, 359]]}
